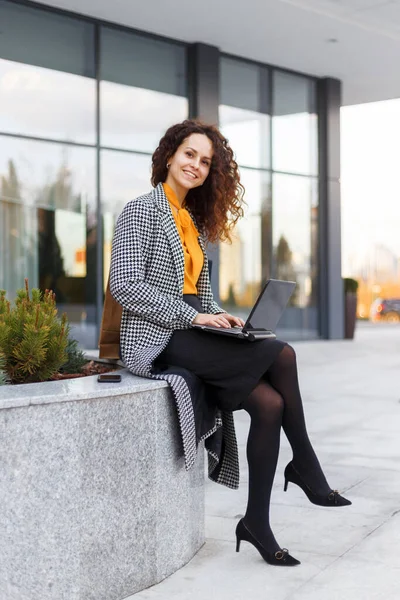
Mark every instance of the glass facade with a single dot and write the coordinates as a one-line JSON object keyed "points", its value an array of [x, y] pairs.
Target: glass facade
{"points": [[48, 191], [270, 120], [80, 116], [143, 90], [79, 120]]}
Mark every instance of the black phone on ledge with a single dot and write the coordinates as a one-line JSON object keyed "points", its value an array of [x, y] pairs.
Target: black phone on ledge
{"points": [[109, 378]]}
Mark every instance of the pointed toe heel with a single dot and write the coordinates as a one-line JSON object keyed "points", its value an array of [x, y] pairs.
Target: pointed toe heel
{"points": [[332, 499], [280, 558]]}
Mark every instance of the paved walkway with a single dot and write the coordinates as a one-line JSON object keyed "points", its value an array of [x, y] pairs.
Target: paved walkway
{"points": [[352, 399]]}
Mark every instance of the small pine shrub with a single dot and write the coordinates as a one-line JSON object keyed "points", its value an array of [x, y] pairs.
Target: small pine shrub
{"points": [[3, 374], [76, 358], [33, 339]]}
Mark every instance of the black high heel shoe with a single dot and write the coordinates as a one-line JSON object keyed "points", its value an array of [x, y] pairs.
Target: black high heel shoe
{"points": [[280, 558], [332, 499]]}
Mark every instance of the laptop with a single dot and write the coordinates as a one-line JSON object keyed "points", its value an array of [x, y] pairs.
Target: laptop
{"points": [[264, 316]]}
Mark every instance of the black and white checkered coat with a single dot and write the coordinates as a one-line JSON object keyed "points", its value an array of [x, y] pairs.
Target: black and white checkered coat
{"points": [[146, 278]]}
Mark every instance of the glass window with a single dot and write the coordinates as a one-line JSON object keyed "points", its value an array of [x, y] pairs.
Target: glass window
{"points": [[136, 119], [143, 62], [54, 176], [295, 228], [46, 90], [124, 176], [244, 264], [45, 39], [243, 111], [143, 89], [240, 84], [294, 124], [248, 134], [43, 103], [48, 222]]}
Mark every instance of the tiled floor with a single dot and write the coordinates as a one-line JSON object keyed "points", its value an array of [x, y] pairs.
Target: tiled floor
{"points": [[352, 400]]}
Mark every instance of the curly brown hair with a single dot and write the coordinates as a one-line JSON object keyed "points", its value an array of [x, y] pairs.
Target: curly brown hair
{"points": [[217, 204]]}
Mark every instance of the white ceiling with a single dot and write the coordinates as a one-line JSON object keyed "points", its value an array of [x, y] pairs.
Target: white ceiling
{"points": [[287, 33]]}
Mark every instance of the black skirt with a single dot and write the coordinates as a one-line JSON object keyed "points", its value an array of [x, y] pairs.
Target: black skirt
{"points": [[233, 367]]}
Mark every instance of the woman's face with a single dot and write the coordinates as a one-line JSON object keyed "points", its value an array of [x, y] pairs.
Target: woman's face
{"points": [[190, 165]]}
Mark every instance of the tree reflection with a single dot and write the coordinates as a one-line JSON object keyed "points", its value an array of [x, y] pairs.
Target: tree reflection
{"points": [[51, 262], [59, 193], [10, 187], [284, 268], [17, 234]]}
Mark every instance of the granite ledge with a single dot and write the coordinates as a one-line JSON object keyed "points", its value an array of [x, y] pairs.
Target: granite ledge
{"points": [[70, 390]]}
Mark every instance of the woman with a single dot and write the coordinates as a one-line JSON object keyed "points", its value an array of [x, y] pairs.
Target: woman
{"points": [[159, 274]]}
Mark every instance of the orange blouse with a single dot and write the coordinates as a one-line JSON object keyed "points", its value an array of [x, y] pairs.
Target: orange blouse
{"points": [[193, 254]]}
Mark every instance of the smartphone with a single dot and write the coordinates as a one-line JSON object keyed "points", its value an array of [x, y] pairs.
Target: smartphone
{"points": [[109, 378]]}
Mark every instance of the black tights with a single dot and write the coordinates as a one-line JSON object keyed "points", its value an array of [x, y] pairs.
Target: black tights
{"points": [[276, 402]]}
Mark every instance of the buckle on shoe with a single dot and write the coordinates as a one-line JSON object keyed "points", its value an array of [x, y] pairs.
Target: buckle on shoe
{"points": [[333, 496], [280, 554]]}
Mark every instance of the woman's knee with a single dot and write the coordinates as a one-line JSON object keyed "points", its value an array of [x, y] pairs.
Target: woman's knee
{"points": [[275, 402], [288, 356], [264, 401]]}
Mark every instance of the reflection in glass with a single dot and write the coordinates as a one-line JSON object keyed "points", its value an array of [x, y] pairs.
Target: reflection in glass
{"points": [[243, 113], [46, 39], [294, 124], [143, 89], [44, 103], [142, 61], [242, 84], [135, 118], [295, 228], [244, 264], [124, 176], [248, 134], [48, 220], [47, 174], [18, 242]]}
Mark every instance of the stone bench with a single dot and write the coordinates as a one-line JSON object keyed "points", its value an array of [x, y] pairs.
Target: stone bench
{"points": [[95, 500]]}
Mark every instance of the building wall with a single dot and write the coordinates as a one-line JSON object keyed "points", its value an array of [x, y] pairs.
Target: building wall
{"points": [[83, 105]]}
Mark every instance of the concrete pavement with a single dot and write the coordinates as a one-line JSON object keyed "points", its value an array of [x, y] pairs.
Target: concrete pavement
{"points": [[351, 392]]}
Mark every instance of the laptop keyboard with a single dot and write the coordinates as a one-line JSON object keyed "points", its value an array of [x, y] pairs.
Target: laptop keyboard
{"points": [[232, 330]]}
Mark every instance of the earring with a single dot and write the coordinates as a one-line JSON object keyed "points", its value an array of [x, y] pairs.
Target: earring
{"points": [[168, 165]]}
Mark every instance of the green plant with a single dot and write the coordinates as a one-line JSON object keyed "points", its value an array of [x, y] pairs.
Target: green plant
{"points": [[76, 358], [3, 374], [33, 339], [350, 285]]}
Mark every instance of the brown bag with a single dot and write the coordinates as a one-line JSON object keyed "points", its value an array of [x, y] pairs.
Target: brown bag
{"points": [[109, 342]]}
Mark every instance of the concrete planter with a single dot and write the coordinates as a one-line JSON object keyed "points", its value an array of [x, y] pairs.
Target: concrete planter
{"points": [[95, 501]]}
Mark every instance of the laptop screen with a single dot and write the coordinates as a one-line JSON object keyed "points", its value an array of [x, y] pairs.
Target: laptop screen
{"points": [[270, 305]]}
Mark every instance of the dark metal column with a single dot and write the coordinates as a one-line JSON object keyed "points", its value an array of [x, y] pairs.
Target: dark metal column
{"points": [[330, 256], [203, 75], [99, 220]]}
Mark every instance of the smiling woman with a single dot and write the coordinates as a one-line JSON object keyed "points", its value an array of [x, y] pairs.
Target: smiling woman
{"points": [[159, 276], [187, 154], [189, 166]]}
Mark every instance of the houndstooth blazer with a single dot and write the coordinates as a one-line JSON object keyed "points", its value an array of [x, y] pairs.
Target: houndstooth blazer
{"points": [[146, 279]]}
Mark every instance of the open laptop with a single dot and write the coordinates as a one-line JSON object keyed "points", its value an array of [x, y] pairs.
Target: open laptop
{"points": [[264, 316]]}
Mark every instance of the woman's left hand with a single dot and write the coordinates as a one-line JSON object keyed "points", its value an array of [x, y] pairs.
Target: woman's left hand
{"points": [[234, 321]]}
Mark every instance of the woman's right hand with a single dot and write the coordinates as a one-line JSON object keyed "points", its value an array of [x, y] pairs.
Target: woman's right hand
{"points": [[218, 320]]}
